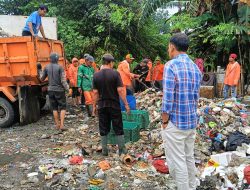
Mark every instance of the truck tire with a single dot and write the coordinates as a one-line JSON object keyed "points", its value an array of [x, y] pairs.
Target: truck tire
{"points": [[7, 115], [42, 102]]}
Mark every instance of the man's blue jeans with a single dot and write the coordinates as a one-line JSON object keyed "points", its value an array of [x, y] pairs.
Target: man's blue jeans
{"points": [[226, 89]]}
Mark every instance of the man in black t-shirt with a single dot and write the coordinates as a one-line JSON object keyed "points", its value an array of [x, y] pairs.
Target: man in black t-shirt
{"points": [[141, 69], [108, 87]]}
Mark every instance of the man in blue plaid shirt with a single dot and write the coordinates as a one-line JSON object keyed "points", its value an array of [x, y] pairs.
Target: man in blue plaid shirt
{"points": [[181, 85]]}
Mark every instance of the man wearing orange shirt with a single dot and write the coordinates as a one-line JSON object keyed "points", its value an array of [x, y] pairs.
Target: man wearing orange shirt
{"points": [[81, 61], [126, 75], [232, 76], [158, 73], [72, 74]]}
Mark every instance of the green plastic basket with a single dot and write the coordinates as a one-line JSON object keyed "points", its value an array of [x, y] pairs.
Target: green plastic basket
{"points": [[133, 129], [139, 116], [131, 133]]}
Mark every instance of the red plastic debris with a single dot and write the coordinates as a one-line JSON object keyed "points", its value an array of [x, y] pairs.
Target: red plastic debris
{"points": [[160, 166], [247, 174], [76, 160]]}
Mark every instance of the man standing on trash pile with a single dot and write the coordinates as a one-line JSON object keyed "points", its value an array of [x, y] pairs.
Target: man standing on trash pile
{"points": [[108, 87], [56, 89], [142, 70], [126, 75], [232, 76], [181, 85], [72, 74], [34, 22], [158, 73], [84, 83]]}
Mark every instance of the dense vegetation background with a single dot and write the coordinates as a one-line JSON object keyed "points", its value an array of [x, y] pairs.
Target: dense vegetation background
{"points": [[143, 27]]}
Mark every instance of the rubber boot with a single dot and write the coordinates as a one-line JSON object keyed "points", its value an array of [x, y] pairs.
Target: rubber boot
{"points": [[89, 110], [104, 141], [121, 144]]}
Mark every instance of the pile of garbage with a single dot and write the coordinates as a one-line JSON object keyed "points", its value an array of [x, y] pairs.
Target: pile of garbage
{"points": [[222, 145], [73, 160]]}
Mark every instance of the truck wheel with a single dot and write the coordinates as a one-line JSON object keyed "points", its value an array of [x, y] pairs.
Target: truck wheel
{"points": [[7, 115], [42, 102]]}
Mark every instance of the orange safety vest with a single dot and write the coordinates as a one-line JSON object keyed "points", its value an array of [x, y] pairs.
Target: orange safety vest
{"points": [[150, 66], [158, 72], [72, 75], [232, 75], [126, 75]]}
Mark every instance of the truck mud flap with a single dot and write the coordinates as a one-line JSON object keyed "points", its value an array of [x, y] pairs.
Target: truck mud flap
{"points": [[29, 107]]}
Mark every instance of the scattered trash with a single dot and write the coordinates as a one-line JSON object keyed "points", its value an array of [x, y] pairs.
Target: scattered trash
{"points": [[160, 166], [73, 158], [76, 160], [104, 165]]}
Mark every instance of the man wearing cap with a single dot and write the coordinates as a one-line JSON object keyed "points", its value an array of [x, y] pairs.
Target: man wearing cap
{"points": [[126, 75], [34, 22], [157, 76], [108, 87], [72, 74], [232, 76], [56, 89], [84, 83]]}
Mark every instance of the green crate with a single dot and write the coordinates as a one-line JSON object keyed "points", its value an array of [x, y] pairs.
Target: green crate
{"points": [[131, 133], [139, 116], [133, 129]]}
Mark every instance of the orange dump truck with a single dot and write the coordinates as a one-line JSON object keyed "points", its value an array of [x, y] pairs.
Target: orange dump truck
{"points": [[22, 94]]}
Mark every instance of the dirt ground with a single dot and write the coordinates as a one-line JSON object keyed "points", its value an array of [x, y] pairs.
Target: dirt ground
{"points": [[24, 148]]}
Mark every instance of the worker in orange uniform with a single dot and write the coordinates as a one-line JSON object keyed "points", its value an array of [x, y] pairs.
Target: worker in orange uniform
{"points": [[72, 72], [67, 65], [81, 61], [150, 71], [232, 76], [158, 70], [84, 83], [126, 75]]}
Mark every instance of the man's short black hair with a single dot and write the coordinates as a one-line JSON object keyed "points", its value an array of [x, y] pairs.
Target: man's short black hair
{"points": [[107, 59], [180, 41], [44, 7]]}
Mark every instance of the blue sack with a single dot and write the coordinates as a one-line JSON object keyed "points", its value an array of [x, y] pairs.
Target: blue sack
{"points": [[131, 102]]}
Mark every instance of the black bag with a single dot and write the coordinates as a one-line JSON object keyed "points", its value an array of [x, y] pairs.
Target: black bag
{"points": [[236, 139]]}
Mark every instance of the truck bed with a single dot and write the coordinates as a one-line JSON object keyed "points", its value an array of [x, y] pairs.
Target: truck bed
{"points": [[19, 57]]}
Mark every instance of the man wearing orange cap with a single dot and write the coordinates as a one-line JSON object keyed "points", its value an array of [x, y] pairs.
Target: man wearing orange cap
{"points": [[158, 73], [126, 75], [73, 69], [232, 76]]}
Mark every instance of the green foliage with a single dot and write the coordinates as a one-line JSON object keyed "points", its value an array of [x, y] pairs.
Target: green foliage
{"points": [[183, 22]]}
